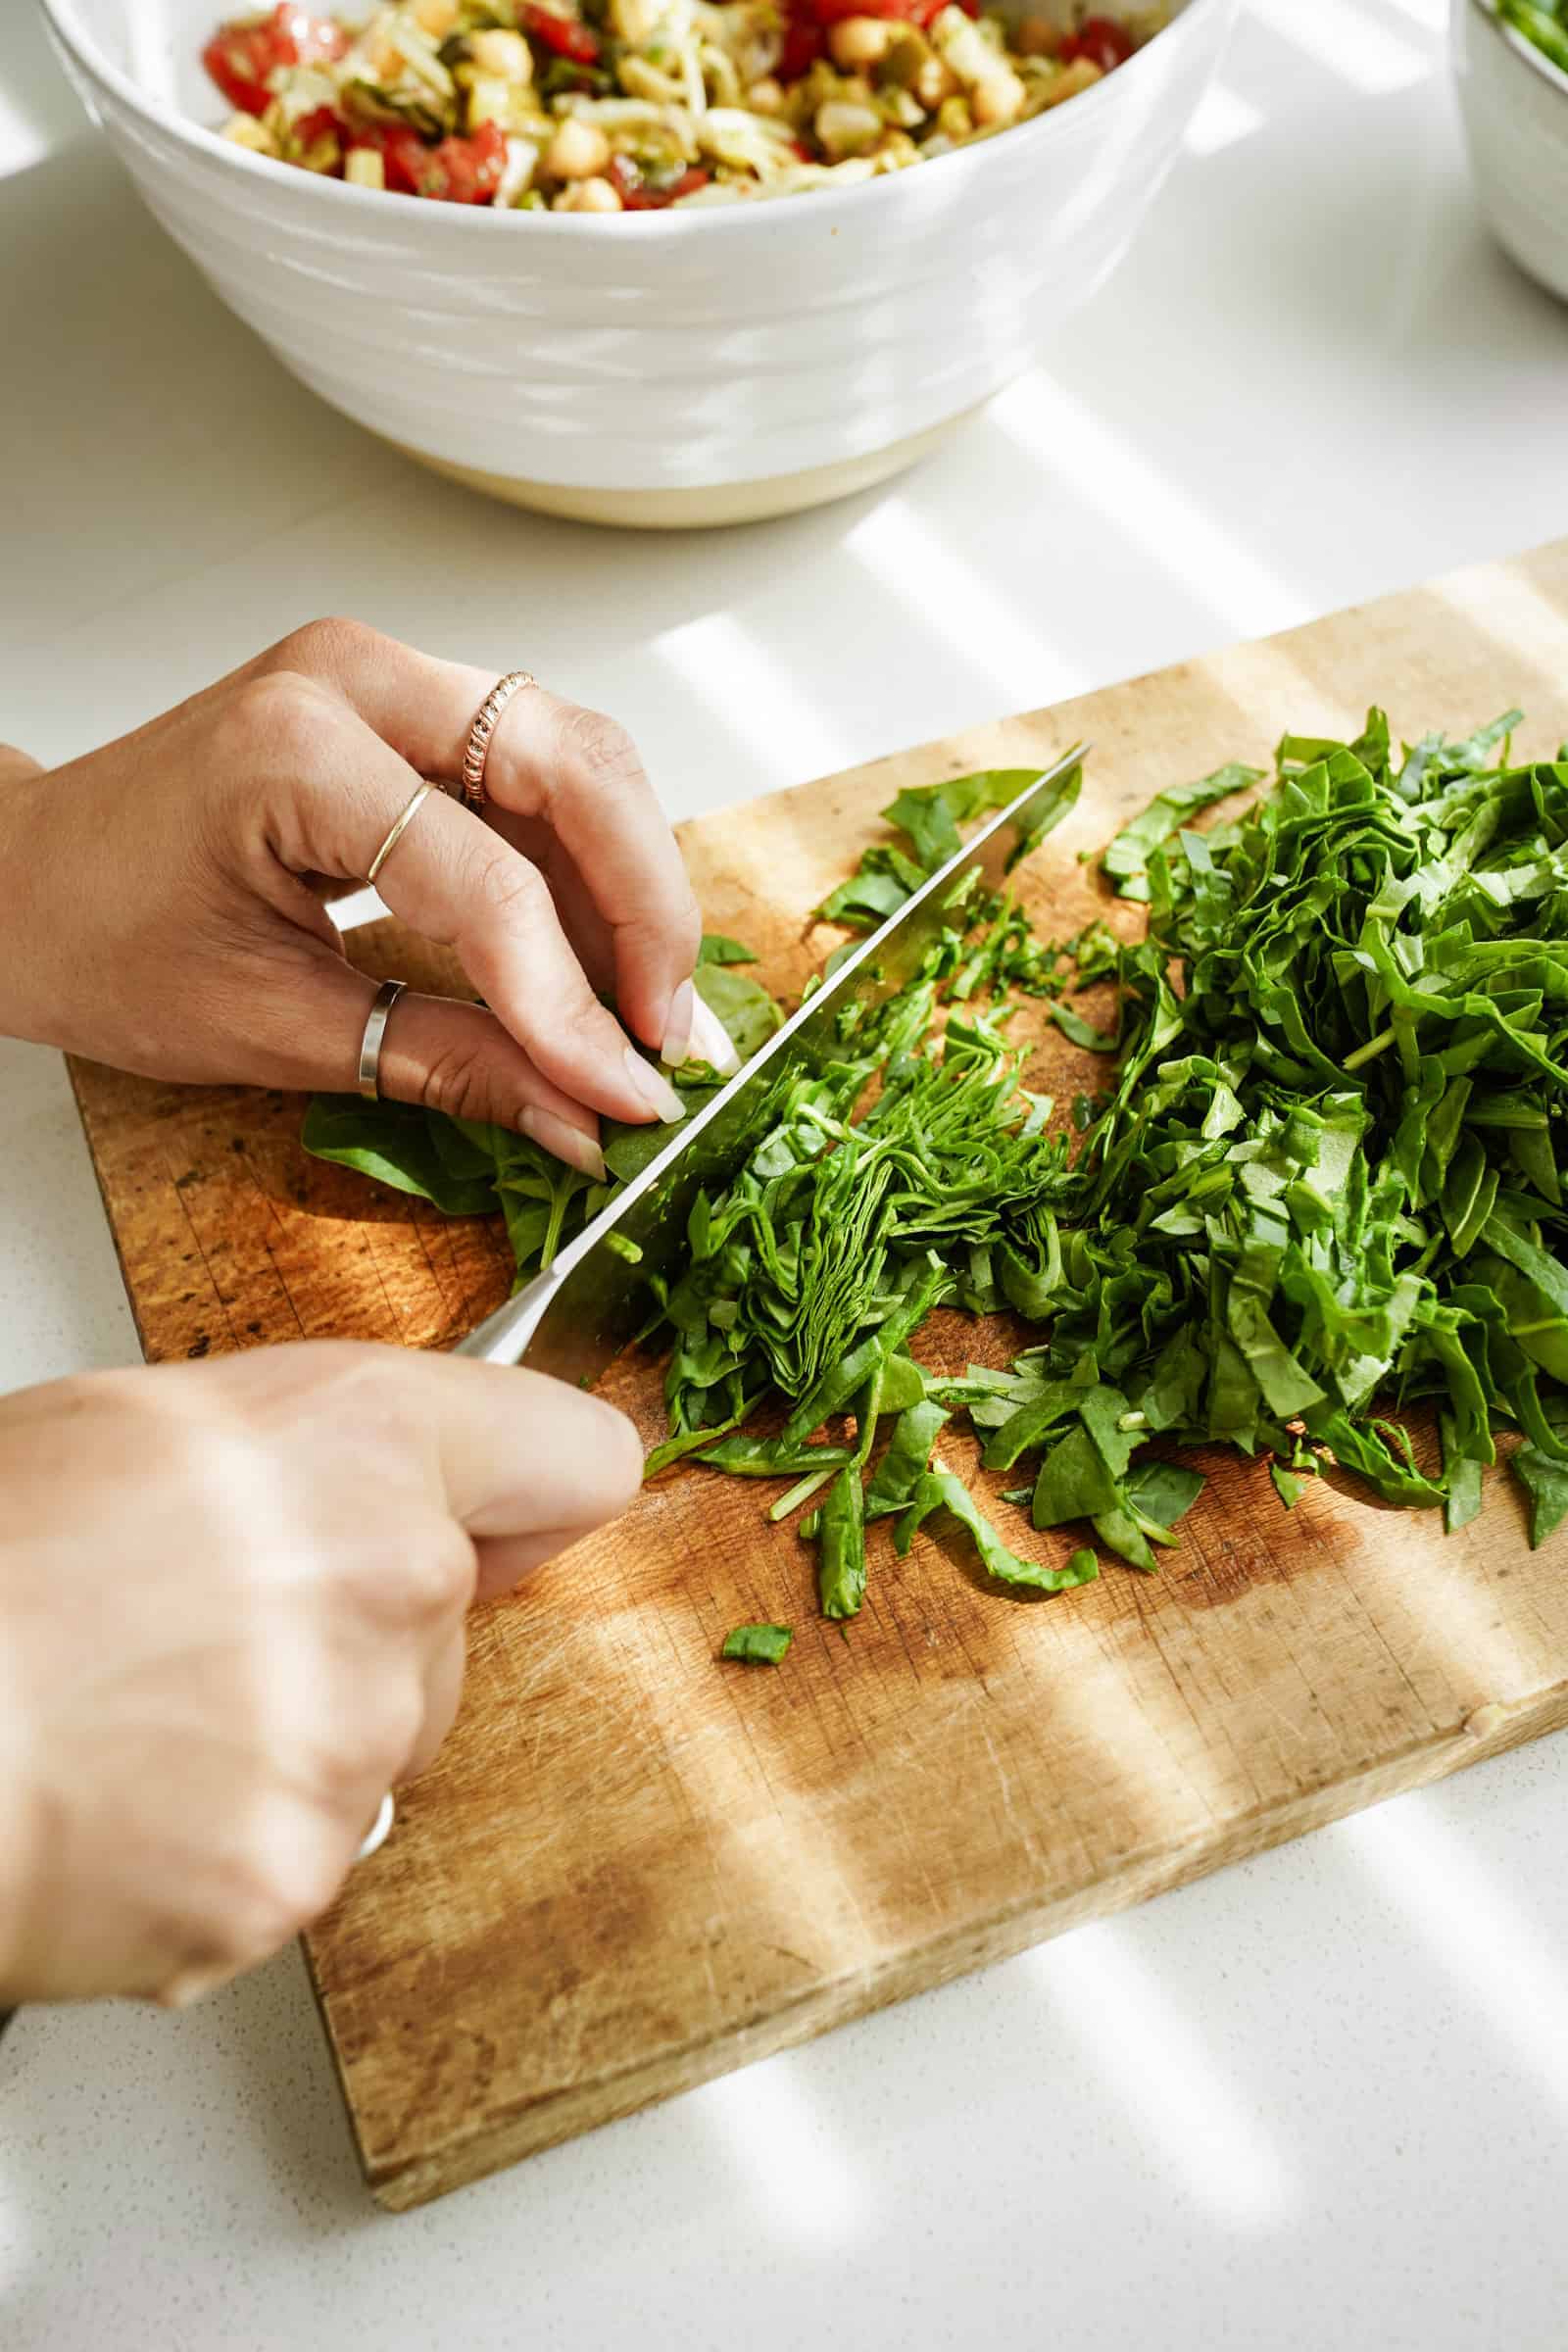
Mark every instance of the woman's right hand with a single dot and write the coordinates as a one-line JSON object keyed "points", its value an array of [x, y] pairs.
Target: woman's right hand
{"points": [[231, 1615]]}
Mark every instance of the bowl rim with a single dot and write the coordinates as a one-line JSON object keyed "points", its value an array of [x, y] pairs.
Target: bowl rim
{"points": [[484, 220], [1522, 46]]}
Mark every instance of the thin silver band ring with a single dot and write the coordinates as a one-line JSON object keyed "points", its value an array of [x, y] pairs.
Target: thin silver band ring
{"points": [[386, 996]]}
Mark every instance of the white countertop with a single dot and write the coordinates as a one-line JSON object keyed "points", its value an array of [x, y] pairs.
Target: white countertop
{"points": [[1320, 2099]]}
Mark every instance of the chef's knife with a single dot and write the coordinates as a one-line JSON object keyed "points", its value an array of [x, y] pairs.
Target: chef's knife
{"points": [[576, 1316]]}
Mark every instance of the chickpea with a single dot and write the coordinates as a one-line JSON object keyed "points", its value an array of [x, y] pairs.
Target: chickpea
{"points": [[591, 195], [504, 54], [856, 41], [846, 130], [1079, 74], [437, 18], [579, 151], [933, 81], [996, 99], [1037, 37], [765, 97], [636, 22], [244, 131]]}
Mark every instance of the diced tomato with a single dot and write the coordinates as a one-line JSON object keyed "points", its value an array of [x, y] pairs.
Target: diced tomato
{"points": [[1105, 43], [402, 151], [241, 54], [323, 123], [640, 195], [462, 171], [654, 200], [565, 35], [457, 172], [803, 43]]}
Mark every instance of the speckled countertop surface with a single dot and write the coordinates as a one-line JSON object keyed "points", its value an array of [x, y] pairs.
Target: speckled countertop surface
{"points": [[1320, 2100]]}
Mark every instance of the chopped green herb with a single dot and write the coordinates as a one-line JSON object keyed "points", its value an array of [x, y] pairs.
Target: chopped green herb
{"points": [[1321, 1183], [757, 1644]]}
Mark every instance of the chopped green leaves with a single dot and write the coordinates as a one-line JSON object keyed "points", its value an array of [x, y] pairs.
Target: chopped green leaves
{"points": [[841, 1567], [411, 1150], [1320, 1179], [757, 1644], [1126, 861]]}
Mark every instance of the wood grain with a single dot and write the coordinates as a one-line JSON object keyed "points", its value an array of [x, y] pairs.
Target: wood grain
{"points": [[631, 1867]]}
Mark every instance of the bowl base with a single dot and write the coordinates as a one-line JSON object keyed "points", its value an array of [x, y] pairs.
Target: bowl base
{"points": [[696, 508]]}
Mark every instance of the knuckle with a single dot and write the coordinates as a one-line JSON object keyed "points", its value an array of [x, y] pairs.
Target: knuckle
{"points": [[512, 891], [187, 1433], [284, 710], [433, 1579], [599, 748], [293, 1864], [369, 1745], [583, 1020], [299, 1414], [354, 1385], [326, 648], [461, 1082]]}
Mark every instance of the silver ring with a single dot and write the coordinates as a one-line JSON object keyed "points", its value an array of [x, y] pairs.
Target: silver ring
{"points": [[483, 727], [386, 996], [380, 1830], [398, 831]]}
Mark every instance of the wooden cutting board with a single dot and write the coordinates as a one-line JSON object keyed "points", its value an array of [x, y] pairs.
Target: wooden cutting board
{"points": [[633, 1867]]}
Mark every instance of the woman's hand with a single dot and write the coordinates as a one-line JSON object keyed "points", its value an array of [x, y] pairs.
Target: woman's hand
{"points": [[232, 1603], [163, 896]]}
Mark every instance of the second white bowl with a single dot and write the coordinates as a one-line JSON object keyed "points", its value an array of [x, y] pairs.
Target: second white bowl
{"points": [[1514, 103]]}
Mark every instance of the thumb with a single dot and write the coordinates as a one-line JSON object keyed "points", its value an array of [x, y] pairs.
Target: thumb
{"points": [[527, 1464]]}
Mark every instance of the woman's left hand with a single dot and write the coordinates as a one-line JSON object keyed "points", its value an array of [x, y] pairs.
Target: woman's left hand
{"points": [[165, 896]]}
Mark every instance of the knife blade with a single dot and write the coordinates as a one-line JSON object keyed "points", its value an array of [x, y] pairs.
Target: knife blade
{"points": [[573, 1319]]}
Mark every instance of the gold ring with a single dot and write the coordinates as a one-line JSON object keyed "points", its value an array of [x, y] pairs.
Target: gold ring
{"points": [[483, 727], [398, 831], [386, 996]]}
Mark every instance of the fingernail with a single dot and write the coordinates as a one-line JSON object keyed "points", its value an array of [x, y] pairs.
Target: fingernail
{"points": [[656, 1092], [678, 1027], [710, 1041], [557, 1136]]}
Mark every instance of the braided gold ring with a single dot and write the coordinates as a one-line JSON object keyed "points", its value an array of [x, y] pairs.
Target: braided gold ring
{"points": [[483, 727]]}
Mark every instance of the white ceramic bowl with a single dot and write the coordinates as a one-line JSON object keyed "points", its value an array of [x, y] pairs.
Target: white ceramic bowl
{"points": [[663, 367], [1515, 107]]}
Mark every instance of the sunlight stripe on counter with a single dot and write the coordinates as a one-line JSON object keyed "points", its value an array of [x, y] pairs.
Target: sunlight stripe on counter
{"points": [[1348, 41], [1145, 504], [959, 604], [1207, 2137]]}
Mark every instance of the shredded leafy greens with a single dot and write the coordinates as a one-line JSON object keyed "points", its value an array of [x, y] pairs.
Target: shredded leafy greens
{"points": [[1321, 1184]]}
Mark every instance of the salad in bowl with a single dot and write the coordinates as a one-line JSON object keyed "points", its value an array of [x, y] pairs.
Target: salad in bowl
{"points": [[610, 106], [425, 210]]}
